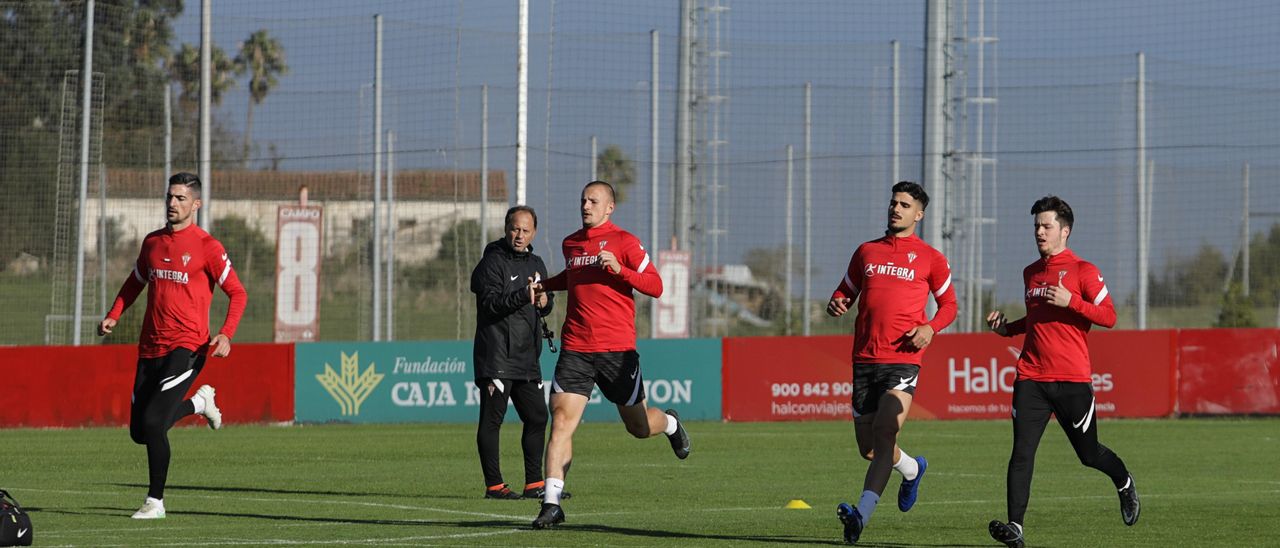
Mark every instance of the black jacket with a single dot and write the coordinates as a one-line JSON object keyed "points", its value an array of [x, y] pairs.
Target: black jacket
{"points": [[508, 332]]}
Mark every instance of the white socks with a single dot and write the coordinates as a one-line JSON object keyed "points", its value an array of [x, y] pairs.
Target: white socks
{"points": [[158, 502], [867, 505], [553, 489], [906, 465], [198, 403], [672, 423]]}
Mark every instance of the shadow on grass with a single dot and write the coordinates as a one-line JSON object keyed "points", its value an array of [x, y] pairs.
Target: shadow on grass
{"points": [[268, 491], [502, 524], [779, 539]]}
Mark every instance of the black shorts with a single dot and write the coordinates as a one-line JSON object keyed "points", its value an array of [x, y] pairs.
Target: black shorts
{"points": [[617, 374], [872, 380]]}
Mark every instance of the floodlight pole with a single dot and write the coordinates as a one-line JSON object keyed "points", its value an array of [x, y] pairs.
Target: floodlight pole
{"points": [[206, 120], [377, 178], [522, 101], [1141, 123], [86, 80], [653, 166]]}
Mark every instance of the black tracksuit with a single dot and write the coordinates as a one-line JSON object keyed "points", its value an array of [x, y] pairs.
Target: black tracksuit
{"points": [[507, 346]]}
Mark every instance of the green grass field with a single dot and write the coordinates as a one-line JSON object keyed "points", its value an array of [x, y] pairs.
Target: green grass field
{"points": [[1203, 482]]}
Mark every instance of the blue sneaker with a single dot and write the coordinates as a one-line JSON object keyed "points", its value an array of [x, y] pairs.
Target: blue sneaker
{"points": [[852, 520], [910, 489]]}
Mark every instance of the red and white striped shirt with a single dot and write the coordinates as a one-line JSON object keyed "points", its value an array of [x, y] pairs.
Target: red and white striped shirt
{"points": [[1056, 348], [892, 279], [179, 270]]}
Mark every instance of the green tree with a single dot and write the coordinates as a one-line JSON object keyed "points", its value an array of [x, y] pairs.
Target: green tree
{"points": [[458, 255], [43, 44], [1235, 311], [614, 167], [1189, 281], [184, 69], [263, 58]]}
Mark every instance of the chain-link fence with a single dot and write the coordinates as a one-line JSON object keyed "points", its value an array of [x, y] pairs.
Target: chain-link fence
{"points": [[1041, 100]]}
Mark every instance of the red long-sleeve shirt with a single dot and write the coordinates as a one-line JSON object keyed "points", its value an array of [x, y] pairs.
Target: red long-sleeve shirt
{"points": [[601, 312], [1056, 348], [179, 270], [892, 279]]}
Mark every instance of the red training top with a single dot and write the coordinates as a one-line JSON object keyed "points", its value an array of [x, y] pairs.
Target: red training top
{"points": [[894, 277], [1055, 348], [181, 268], [601, 314]]}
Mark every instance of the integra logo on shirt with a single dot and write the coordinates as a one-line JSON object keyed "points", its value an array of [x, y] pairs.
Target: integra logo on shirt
{"points": [[1037, 292], [583, 260], [171, 275], [888, 269]]}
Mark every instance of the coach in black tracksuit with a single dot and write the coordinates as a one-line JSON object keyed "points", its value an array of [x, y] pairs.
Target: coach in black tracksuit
{"points": [[507, 347]]}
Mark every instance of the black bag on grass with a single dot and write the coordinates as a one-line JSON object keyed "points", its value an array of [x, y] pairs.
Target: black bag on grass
{"points": [[15, 525]]}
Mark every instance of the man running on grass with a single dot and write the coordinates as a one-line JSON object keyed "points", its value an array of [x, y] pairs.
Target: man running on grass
{"points": [[603, 265], [892, 278], [1065, 296], [179, 265]]}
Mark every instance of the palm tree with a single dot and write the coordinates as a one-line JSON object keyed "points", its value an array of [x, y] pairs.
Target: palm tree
{"points": [[263, 58], [184, 68], [614, 167]]}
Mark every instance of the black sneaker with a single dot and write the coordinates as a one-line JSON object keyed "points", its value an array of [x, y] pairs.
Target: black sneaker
{"points": [[1008, 534], [550, 516], [852, 520], [540, 492], [503, 493], [679, 440], [1129, 507]]}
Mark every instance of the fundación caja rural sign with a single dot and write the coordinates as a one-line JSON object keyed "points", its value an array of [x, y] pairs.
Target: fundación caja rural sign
{"points": [[433, 381]]}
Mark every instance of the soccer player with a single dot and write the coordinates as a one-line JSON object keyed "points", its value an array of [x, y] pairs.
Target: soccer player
{"points": [[892, 278], [507, 346], [179, 265], [1065, 296], [604, 264]]}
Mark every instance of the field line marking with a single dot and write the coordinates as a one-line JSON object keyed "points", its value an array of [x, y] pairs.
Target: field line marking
{"points": [[305, 501], [312, 542]]}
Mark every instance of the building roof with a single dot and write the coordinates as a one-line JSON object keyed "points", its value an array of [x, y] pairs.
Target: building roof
{"points": [[433, 185]]}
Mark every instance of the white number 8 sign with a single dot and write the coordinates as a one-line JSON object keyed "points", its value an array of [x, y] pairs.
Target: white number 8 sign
{"points": [[296, 289]]}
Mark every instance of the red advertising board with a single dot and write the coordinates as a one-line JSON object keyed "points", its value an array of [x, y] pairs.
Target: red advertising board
{"points": [[1229, 371], [963, 376], [66, 386]]}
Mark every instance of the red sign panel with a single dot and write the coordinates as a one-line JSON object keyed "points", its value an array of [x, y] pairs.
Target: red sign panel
{"points": [[1229, 371], [963, 376], [298, 273], [254, 384]]}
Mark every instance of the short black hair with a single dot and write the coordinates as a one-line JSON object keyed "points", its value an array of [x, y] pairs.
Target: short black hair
{"points": [[189, 180], [916, 191], [607, 186], [511, 215], [1056, 205]]}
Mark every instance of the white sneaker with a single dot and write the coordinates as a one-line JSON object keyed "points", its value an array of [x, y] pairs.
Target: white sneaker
{"points": [[151, 509], [211, 412]]}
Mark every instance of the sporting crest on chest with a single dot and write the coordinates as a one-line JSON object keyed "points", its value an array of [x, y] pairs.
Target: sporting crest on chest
{"points": [[186, 258]]}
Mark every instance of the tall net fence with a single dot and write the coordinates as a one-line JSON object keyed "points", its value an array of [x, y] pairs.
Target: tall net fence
{"points": [[816, 98]]}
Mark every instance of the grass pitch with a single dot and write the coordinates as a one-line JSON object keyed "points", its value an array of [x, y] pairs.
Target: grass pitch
{"points": [[1202, 482]]}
